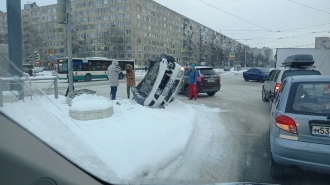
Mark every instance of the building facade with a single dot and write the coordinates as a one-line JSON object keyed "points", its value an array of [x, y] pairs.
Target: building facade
{"points": [[123, 29], [322, 42]]}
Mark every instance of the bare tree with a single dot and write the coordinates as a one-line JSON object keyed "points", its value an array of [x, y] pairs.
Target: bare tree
{"points": [[113, 42], [32, 40]]}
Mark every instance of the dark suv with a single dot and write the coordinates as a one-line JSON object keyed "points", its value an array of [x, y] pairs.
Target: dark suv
{"points": [[208, 81]]}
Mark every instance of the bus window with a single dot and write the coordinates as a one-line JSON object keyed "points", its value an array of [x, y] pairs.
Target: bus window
{"points": [[77, 65]]}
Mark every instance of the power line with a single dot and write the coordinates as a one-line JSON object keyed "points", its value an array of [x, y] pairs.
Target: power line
{"points": [[309, 7], [235, 16]]}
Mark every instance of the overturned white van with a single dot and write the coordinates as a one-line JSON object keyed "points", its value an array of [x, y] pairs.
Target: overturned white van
{"points": [[161, 83]]}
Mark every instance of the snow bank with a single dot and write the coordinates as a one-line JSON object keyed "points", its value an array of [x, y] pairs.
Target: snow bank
{"points": [[89, 102], [134, 143], [228, 73]]}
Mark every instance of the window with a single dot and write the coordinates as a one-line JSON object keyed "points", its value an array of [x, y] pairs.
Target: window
{"points": [[139, 48], [299, 72], [113, 8], [128, 23], [98, 2], [127, 15], [119, 8], [105, 1], [112, 17], [128, 32], [138, 16], [120, 16], [105, 17], [120, 24], [129, 55], [127, 7]]}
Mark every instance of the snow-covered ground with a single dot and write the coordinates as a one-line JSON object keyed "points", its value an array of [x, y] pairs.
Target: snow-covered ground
{"points": [[135, 143], [231, 72], [140, 72]]}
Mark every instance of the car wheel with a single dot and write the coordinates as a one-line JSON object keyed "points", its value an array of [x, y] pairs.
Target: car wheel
{"points": [[211, 93], [276, 170], [187, 91], [246, 78], [88, 77], [263, 95]]}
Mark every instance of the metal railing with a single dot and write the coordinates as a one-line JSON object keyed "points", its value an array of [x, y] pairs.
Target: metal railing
{"points": [[25, 86]]}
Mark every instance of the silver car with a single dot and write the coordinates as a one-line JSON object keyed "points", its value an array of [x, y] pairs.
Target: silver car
{"points": [[300, 125]]}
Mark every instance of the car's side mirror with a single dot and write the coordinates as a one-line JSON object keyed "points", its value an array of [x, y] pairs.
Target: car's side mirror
{"points": [[270, 96]]}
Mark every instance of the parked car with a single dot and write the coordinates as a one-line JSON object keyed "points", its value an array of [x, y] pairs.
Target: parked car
{"points": [[259, 74], [208, 81], [300, 125], [161, 83], [292, 66]]}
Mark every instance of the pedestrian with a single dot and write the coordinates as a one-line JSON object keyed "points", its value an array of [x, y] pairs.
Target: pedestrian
{"points": [[67, 90], [146, 69], [130, 76], [192, 80], [113, 73]]}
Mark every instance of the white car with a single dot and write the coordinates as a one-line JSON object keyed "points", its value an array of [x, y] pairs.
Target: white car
{"points": [[161, 84]]}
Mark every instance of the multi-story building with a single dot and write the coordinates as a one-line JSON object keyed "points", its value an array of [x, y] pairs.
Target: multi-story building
{"points": [[120, 29], [322, 42]]}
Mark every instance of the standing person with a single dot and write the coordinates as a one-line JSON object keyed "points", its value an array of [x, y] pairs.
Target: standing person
{"points": [[192, 80], [145, 69], [113, 72], [130, 75]]}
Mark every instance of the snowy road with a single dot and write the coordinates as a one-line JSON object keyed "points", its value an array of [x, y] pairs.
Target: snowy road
{"points": [[244, 155], [232, 146]]}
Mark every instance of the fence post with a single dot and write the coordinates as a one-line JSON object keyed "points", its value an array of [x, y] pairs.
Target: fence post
{"points": [[56, 88]]}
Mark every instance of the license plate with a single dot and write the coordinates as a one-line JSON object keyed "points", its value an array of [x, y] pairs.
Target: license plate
{"points": [[321, 131], [211, 80]]}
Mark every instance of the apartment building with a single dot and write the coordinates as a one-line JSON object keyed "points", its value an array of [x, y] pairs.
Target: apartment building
{"points": [[122, 29]]}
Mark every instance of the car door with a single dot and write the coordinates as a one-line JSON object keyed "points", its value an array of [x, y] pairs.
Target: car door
{"points": [[268, 81], [185, 79], [251, 74], [257, 74]]}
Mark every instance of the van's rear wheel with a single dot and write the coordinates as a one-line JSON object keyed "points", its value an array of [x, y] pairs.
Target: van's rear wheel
{"points": [[121, 76], [88, 77]]}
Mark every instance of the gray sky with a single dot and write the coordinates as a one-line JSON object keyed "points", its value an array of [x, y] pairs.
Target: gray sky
{"points": [[258, 20]]}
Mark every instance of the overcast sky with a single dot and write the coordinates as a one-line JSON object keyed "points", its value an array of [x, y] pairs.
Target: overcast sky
{"points": [[267, 23]]}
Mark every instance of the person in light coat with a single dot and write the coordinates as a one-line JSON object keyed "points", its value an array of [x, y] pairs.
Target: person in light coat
{"points": [[130, 75], [113, 72]]}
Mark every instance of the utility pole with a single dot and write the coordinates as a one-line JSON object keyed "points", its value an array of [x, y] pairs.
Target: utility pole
{"points": [[244, 56], [229, 54], [15, 42], [69, 42]]}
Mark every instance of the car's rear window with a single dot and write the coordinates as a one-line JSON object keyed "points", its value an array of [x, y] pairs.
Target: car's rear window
{"points": [[207, 71], [265, 70], [309, 98], [298, 73]]}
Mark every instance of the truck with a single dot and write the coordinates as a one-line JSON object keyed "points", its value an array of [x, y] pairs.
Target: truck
{"points": [[321, 57]]}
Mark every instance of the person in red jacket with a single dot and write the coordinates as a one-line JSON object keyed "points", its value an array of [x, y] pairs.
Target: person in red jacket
{"points": [[192, 80]]}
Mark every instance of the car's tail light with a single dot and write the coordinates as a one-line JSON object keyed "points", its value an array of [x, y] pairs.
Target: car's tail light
{"points": [[286, 123], [277, 87], [199, 79], [326, 87]]}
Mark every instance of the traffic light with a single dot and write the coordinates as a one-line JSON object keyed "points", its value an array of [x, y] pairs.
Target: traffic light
{"points": [[37, 56]]}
